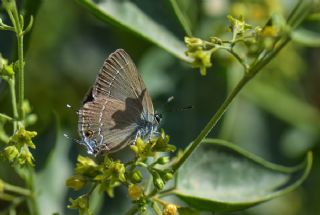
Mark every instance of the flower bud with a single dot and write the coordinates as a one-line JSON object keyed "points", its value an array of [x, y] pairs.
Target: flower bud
{"points": [[7, 70], [11, 153], [135, 176], [76, 182], [86, 166], [158, 183], [167, 176], [118, 170], [81, 203], [134, 148], [25, 157], [193, 43], [163, 160]]}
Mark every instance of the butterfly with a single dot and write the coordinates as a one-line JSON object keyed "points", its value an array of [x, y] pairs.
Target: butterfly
{"points": [[117, 109]]}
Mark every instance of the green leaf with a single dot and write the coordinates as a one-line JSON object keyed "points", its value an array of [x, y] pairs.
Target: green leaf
{"points": [[96, 201], [277, 101], [314, 17], [50, 182], [181, 17], [306, 37], [221, 176], [126, 15]]}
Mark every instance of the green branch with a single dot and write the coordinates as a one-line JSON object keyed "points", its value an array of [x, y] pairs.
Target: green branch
{"points": [[5, 117], [15, 189]]}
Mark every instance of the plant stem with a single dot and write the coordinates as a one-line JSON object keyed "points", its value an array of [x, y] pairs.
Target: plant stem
{"points": [[17, 23], [156, 208], [6, 197], [5, 117], [16, 189], [19, 33], [166, 192], [133, 210], [14, 103]]}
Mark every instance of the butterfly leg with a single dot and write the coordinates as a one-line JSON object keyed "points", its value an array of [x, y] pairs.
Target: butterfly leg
{"points": [[136, 137]]}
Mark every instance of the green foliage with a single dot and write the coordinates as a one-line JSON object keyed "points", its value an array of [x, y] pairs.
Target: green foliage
{"points": [[210, 174]]}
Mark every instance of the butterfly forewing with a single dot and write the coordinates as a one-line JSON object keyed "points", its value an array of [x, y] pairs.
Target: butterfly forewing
{"points": [[119, 79], [116, 107]]}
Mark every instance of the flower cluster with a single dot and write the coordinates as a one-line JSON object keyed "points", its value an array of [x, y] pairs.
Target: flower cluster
{"points": [[17, 151], [198, 51], [110, 173], [18, 145], [82, 204], [238, 27], [255, 40]]}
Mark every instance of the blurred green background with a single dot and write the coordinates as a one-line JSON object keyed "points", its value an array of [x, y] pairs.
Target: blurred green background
{"points": [[275, 117]]}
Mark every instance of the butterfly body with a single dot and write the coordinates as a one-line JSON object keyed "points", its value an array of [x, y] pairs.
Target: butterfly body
{"points": [[117, 109]]}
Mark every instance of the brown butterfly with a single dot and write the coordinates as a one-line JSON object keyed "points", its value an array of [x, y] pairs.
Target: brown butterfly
{"points": [[117, 109]]}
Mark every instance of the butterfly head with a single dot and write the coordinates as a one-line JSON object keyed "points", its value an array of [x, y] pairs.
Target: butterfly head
{"points": [[89, 142]]}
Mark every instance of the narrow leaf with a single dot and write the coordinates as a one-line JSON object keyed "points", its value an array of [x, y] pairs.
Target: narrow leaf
{"points": [[182, 19], [126, 15], [277, 101], [50, 182], [306, 37]]}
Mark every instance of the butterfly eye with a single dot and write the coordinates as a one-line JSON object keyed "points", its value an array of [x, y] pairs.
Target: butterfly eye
{"points": [[88, 133], [158, 117]]}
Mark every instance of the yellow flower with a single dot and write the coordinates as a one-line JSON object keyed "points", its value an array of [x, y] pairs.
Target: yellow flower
{"points": [[23, 137], [135, 192], [202, 60], [86, 166], [170, 209], [193, 43], [11, 153]]}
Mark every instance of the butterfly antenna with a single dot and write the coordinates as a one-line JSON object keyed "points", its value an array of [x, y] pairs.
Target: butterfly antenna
{"points": [[70, 138], [180, 109]]}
